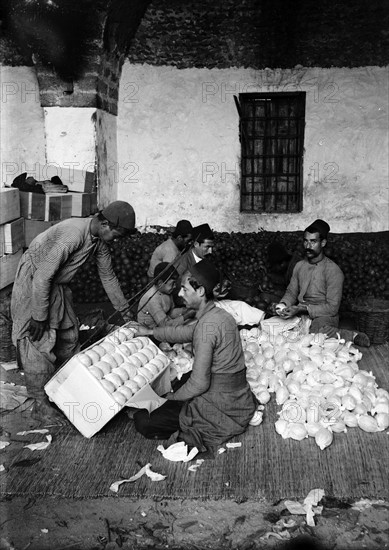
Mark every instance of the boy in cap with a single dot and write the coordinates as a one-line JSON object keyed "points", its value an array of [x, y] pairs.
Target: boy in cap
{"points": [[215, 403], [45, 327], [156, 307], [171, 248], [315, 288]]}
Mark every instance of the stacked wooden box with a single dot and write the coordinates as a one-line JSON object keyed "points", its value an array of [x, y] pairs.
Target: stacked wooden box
{"points": [[41, 211], [12, 238]]}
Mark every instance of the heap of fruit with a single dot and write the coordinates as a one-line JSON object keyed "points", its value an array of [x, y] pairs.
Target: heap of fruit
{"points": [[123, 364], [317, 382], [243, 259]]}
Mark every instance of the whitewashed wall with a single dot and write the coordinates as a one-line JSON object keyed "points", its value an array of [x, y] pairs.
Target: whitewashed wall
{"points": [[178, 146], [39, 140], [22, 125], [70, 137]]}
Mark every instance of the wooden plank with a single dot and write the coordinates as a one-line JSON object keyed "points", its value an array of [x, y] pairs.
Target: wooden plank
{"points": [[12, 237], [8, 267], [9, 204]]}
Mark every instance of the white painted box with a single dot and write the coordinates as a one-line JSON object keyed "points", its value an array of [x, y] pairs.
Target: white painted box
{"points": [[84, 400]]}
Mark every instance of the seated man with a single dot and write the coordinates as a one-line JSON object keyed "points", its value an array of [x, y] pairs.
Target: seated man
{"points": [[215, 403], [315, 288], [203, 244], [156, 307], [171, 248]]}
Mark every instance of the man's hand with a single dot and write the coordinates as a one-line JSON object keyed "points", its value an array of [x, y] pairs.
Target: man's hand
{"points": [[189, 314], [289, 312], [127, 315], [272, 308], [141, 330], [222, 289], [36, 329]]}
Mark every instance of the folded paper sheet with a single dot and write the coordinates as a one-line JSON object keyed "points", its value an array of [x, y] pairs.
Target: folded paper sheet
{"points": [[178, 452], [41, 445], [146, 470]]}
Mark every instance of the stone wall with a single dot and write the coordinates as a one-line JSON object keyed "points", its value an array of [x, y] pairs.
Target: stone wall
{"points": [[263, 33], [179, 150]]}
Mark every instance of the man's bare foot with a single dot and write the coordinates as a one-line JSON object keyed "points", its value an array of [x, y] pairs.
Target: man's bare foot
{"points": [[46, 414]]}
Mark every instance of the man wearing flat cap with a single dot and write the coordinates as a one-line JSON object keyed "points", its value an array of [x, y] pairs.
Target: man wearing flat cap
{"points": [[45, 327], [203, 245], [170, 249], [315, 288], [215, 403]]}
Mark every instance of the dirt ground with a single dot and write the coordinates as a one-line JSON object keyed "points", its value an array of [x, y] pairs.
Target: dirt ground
{"points": [[114, 523]]}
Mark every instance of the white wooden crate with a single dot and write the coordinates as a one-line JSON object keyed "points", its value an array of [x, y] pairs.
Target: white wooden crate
{"points": [[86, 403]]}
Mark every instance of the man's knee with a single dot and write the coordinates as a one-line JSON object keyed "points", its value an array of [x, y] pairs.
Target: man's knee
{"points": [[325, 325], [142, 422]]}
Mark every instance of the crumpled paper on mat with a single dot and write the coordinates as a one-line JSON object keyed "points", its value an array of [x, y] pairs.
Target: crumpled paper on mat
{"points": [[41, 445], [26, 432], [309, 508], [196, 466], [11, 395], [146, 470], [178, 452]]}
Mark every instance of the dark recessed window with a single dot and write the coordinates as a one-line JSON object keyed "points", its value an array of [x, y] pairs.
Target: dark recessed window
{"points": [[272, 146]]}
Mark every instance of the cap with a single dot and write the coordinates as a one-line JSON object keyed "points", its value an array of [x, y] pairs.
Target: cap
{"points": [[319, 226], [121, 215], [206, 274], [277, 253], [164, 271], [202, 232], [183, 227]]}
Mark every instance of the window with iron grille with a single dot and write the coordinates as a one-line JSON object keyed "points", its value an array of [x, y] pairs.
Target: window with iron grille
{"points": [[272, 146]]}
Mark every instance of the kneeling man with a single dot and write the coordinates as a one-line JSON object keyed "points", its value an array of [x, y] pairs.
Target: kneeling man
{"points": [[215, 403]]}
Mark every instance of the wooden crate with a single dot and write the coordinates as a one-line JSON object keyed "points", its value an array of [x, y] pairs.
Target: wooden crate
{"points": [[9, 204], [58, 206], [81, 203], [32, 228], [47, 207], [87, 404], [8, 267], [93, 203], [81, 181], [32, 206], [12, 237]]}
